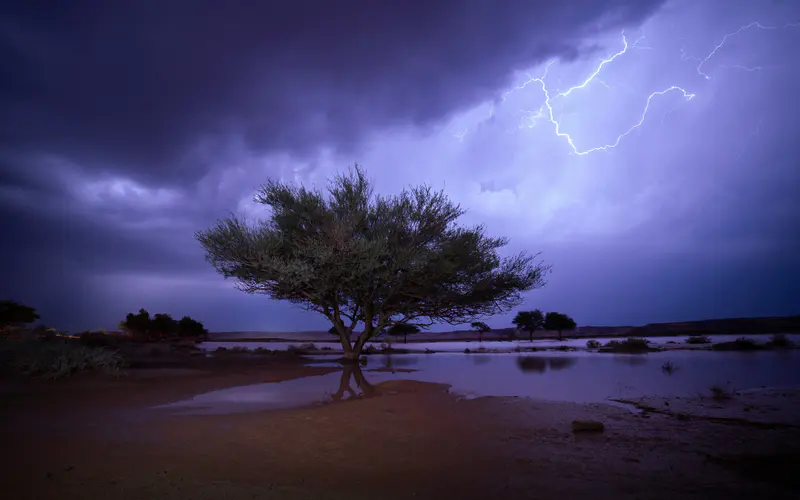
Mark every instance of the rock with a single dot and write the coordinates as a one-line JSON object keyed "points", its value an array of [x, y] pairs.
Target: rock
{"points": [[587, 426]]}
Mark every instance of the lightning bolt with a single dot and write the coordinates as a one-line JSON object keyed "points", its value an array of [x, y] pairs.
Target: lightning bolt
{"points": [[530, 118], [547, 111], [725, 38]]}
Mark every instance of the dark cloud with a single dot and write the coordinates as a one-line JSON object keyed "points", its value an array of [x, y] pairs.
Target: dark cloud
{"points": [[158, 90], [127, 126]]}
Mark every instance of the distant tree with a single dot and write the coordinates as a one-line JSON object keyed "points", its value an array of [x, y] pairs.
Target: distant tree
{"points": [[163, 326], [370, 260], [558, 322], [14, 314], [403, 329], [190, 328], [482, 328], [137, 325], [529, 321]]}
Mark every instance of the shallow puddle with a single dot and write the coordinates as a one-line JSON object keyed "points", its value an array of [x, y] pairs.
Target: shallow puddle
{"points": [[576, 377]]}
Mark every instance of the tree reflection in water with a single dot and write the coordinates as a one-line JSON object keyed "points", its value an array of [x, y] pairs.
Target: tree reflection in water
{"points": [[352, 371], [540, 364]]}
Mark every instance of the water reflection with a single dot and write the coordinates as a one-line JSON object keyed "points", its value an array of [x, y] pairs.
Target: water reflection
{"points": [[537, 364], [353, 372], [595, 378]]}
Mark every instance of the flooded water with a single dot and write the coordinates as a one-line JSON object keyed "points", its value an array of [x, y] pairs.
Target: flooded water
{"points": [[575, 376], [507, 346]]}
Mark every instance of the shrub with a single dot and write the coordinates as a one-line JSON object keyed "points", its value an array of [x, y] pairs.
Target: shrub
{"points": [[57, 359], [632, 344], [720, 392], [780, 340], [97, 339], [740, 344], [592, 344], [669, 367], [698, 339]]}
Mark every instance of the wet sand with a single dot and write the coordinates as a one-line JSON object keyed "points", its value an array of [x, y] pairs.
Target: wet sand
{"points": [[96, 437]]}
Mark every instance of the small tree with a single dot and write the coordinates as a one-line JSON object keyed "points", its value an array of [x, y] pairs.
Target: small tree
{"points": [[529, 321], [369, 260], [163, 326], [482, 328], [190, 328], [13, 314], [137, 325], [558, 322], [403, 329]]}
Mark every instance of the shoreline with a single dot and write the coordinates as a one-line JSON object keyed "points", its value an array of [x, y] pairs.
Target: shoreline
{"points": [[401, 439]]}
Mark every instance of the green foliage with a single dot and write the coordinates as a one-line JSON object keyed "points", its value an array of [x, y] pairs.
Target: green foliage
{"points": [[161, 326], [57, 359], [698, 339], [13, 314], [376, 261], [592, 344], [529, 321], [558, 322]]}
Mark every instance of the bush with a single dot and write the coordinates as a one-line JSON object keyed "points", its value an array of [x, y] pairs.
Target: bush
{"points": [[669, 367], [98, 339], [632, 344], [720, 392], [698, 339], [592, 344], [740, 344], [780, 340], [57, 359]]}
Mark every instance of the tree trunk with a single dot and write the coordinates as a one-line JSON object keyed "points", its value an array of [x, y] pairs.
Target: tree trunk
{"points": [[560, 338], [405, 338], [530, 335], [350, 352], [480, 336]]}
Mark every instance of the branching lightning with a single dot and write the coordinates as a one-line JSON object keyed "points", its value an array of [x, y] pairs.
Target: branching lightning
{"points": [[530, 118], [725, 38], [546, 111]]}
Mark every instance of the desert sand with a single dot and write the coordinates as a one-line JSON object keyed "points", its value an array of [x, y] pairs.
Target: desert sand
{"points": [[98, 437]]}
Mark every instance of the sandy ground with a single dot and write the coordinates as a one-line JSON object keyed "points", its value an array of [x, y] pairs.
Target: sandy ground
{"points": [[95, 437]]}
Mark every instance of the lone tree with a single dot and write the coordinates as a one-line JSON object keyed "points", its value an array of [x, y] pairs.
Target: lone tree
{"points": [[558, 322], [14, 314], [368, 260], [403, 329], [482, 328], [529, 321]]}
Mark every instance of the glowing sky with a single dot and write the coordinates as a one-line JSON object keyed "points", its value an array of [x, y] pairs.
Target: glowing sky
{"points": [[661, 184]]}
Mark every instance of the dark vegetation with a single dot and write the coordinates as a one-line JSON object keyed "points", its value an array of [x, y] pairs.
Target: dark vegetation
{"points": [[558, 322], [403, 330], [698, 339], [529, 321], [592, 344], [161, 327], [481, 328], [740, 344], [631, 345], [370, 261], [43, 351]]}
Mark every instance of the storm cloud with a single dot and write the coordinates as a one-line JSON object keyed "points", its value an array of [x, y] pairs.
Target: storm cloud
{"points": [[128, 126]]}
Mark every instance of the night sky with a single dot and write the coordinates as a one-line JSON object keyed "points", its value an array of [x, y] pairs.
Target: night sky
{"points": [[663, 187]]}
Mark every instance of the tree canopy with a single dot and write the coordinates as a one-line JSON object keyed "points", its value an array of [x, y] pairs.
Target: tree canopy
{"points": [[558, 322], [161, 326], [363, 259], [13, 313], [404, 329], [529, 321], [481, 327]]}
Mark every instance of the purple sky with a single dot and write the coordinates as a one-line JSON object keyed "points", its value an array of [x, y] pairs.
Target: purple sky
{"points": [[127, 126]]}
